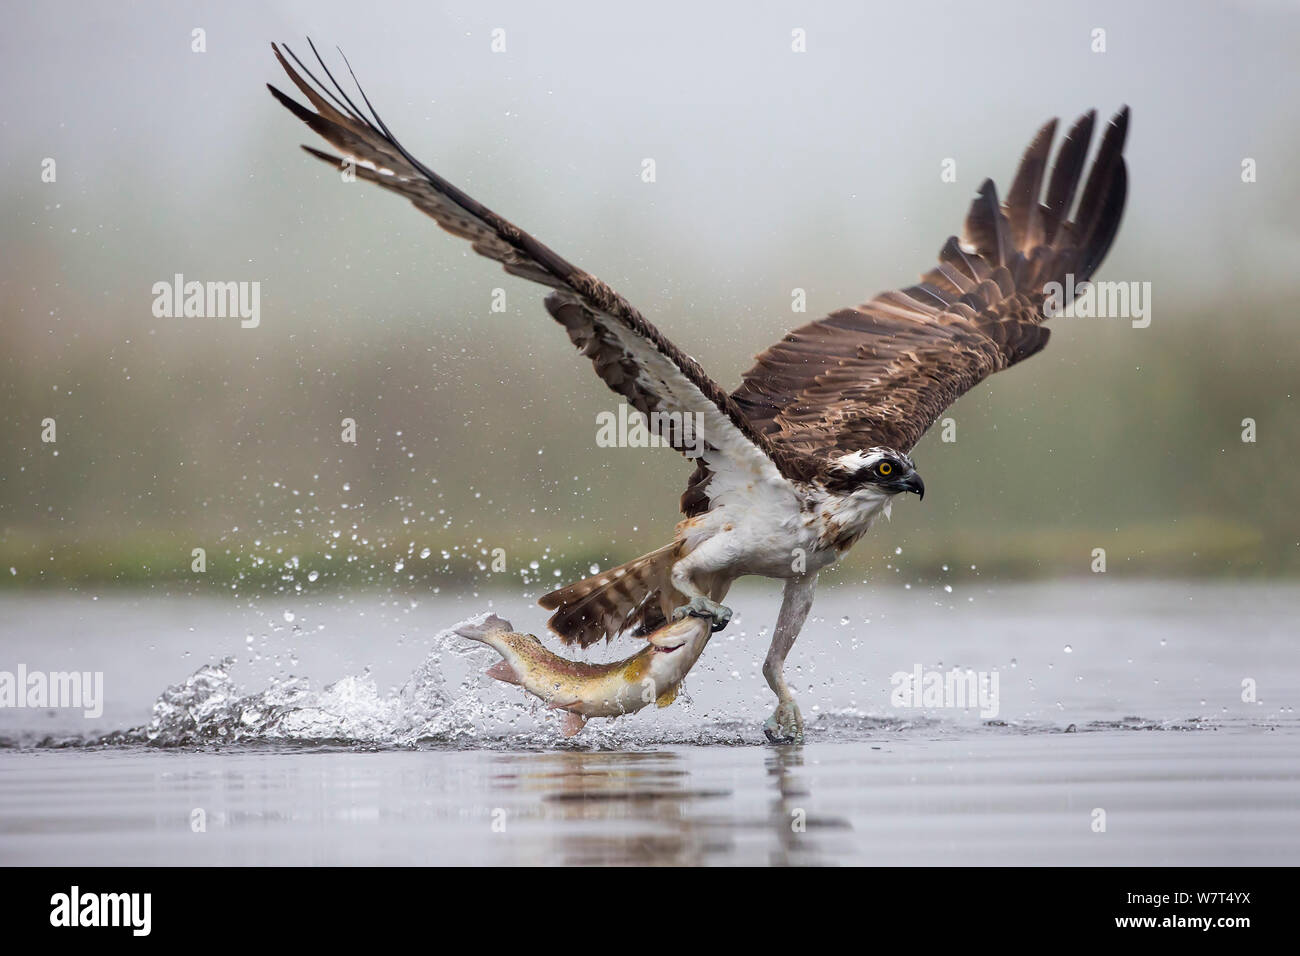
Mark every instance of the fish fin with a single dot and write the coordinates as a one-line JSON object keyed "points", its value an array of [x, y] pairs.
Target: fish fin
{"points": [[477, 630], [667, 697], [572, 724], [502, 670]]}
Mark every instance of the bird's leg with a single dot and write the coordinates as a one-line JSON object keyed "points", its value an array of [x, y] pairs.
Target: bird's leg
{"points": [[786, 723], [699, 604], [703, 606]]}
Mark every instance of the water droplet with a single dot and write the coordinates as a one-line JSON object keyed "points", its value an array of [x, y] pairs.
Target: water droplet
{"points": [[1069, 649], [288, 616]]}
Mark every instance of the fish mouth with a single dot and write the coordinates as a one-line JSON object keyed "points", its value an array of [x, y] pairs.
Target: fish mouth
{"points": [[661, 649]]}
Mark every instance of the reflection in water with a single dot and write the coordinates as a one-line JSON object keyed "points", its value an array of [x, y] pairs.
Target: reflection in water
{"points": [[911, 798], [793, 820], [655, 808]]}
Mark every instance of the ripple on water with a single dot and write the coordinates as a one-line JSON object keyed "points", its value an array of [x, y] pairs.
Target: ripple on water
{"points": [[208, 711]]}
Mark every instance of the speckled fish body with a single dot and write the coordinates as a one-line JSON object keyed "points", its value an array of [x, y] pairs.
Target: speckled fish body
{"points": [[652, 675]]}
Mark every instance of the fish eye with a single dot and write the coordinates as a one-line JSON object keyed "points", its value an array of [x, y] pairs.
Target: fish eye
{"points": [[884, 468]]}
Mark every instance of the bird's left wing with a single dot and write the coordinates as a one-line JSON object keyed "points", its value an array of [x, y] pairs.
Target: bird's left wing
{"points": [[630, 355]]}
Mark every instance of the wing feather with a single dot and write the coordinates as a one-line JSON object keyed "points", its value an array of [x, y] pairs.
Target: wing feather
{"points": [[882, 373], [632, 356]]}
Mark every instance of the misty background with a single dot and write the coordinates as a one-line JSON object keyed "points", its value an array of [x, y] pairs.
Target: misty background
{"points": [[775, 170]]}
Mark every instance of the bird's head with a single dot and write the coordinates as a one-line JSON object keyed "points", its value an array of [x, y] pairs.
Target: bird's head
{"points": [[878, 472]]}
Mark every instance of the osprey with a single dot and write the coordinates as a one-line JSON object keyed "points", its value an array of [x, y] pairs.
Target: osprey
{"points": [[796, 463]]}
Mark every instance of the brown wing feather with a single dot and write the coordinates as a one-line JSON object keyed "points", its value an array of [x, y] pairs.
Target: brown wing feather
{"points": [[882, 373], [630, 355]]}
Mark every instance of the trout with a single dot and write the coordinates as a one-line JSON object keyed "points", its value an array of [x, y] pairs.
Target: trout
{"points": [[582, 690]]}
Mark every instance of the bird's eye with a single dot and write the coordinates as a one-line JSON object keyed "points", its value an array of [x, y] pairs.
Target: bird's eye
{"points": [[884, 468]]}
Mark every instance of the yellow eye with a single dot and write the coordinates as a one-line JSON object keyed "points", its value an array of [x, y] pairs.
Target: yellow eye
{"points": [[884, 468]]}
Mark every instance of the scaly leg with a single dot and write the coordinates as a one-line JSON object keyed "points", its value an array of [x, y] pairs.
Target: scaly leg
{"points": [[786, 723], [700, 604]]}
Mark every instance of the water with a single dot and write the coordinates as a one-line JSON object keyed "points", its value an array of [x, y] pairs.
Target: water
{"points": [[354, 729]]}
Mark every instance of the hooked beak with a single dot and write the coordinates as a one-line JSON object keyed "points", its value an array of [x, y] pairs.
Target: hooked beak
{"points": [[911, 483]]}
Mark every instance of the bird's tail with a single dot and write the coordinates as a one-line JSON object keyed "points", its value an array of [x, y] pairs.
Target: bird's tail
{"points": [[613, 601]]}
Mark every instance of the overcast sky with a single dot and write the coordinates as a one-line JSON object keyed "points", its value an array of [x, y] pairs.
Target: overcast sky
{"points": [[829, 158]]}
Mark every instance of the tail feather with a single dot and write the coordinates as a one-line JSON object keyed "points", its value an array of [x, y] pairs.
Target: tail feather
{"points": [[613, 601]]}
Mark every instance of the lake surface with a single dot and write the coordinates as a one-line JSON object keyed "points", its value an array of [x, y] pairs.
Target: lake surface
{"points": [[1136, 724]]}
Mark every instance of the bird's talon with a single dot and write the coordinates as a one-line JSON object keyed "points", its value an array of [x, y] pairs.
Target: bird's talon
{"points": [[785, 726], [704, 607]]}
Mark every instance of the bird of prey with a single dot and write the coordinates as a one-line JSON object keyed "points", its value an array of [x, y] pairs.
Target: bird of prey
{"points": [[801, 458]]}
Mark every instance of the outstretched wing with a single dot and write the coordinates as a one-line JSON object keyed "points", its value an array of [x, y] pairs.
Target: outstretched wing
{"points": [[630, 355], [882, 373]]}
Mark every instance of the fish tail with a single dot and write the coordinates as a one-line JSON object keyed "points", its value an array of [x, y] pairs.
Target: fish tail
{"points": [[489, 631], [482, 629]]}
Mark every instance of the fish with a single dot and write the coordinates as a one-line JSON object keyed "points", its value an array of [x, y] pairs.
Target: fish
{"points": [[582, 690]]}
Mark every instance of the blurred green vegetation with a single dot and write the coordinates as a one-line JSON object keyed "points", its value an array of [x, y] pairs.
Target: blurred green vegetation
{"points": [[476, 430], [1115, 438]]}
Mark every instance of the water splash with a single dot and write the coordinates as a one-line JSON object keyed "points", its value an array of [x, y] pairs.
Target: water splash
{"points": [[208, 709]]}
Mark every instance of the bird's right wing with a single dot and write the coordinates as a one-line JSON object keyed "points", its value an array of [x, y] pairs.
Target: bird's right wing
{"points": [[882, 373], [630, 355]]}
